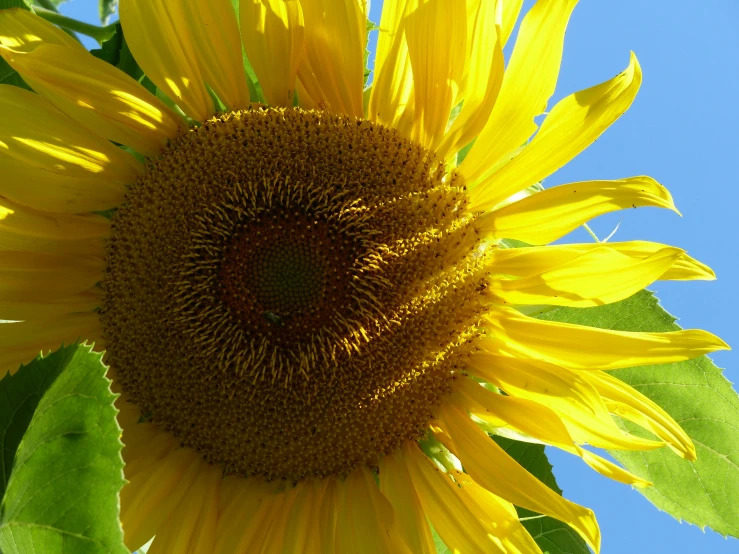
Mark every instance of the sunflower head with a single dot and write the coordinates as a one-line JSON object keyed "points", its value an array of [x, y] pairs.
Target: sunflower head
{"points": [[291, 292]]}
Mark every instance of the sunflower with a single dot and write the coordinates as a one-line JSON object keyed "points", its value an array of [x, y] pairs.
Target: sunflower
{"points": [[303, 287]]}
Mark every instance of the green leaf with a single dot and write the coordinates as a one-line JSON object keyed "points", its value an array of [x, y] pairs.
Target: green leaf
{"points": [[61, 466], [106, 9], [369, 28], [25, 4], [552, 536], [115, 51], [700, 399]]}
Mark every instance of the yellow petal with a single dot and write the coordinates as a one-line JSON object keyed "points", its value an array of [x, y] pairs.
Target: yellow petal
{"points": [[589, 348], [158, 36], [436, 30], [97, 95], [214, 32], [490, 466], [627, 402], [601, 276], [32, 276], [568, 393], [24, 341], [537, 421], [611, 470], [572, 125], [272, 32], [527, 416], [485, 68], [366, 522], [332, 68], [392, 88], [22, 228], [85, 301], [511, 11], [22, 30], [548, 215], [534, 260], [50, 163], [191, 527], [497, 515], [397, 486], [456, 524], [529, 81], [276, 530], [151, 497], [302, 524], [243, 515], [328, 516]]}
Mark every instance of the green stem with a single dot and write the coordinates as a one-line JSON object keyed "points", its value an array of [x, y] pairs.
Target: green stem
{"points": [[48, 4], [100, 34]]}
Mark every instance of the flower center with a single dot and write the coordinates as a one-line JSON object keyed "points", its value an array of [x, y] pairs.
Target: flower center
{"points": [[290, 292]]}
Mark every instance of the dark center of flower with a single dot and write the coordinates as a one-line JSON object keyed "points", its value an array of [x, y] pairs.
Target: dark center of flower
{"points": [[290, 292]]}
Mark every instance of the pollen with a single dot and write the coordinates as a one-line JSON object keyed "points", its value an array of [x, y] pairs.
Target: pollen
{"points": [[292, 293]]}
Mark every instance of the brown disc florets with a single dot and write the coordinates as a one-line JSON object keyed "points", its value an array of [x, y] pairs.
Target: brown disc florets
{"points": [[289, 291]]}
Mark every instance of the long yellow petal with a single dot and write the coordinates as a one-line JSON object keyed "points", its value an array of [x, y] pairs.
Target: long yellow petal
{"points": [[490, 466], [191, 527], [485, 77], [537, 421], [277, 530], [457, 525], [548, 215], [150, 498], [572, 125], [332, 69], [33, 277], [589, 348], [22, 30], [392, 88], [328, 516], [611, 470], [630, 404], [22, 342], [534, 260], [397, 486], [601, 276], [85, 301], [436, 30], [366, 521], [157, 34], [50, 163], [511, 11], [214, 31], [243, 514], [302, 524], [272, 32], [98, 96], [22, 228], [498, 515], [529, 81], [568, 393]]}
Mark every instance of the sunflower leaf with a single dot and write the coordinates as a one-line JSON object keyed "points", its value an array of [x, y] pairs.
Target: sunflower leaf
{"points": [[697, 395], [61, 457], [552, 536], [106, 9]]}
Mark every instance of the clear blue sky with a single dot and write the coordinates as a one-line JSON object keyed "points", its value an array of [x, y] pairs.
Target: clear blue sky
{"points": [[682, 130]]}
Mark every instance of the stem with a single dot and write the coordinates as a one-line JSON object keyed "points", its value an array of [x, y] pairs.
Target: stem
{"points": [[100, 34], [48, 4]]}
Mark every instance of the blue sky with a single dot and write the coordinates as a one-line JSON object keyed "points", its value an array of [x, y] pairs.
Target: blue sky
{"points": [[682, 131]]}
